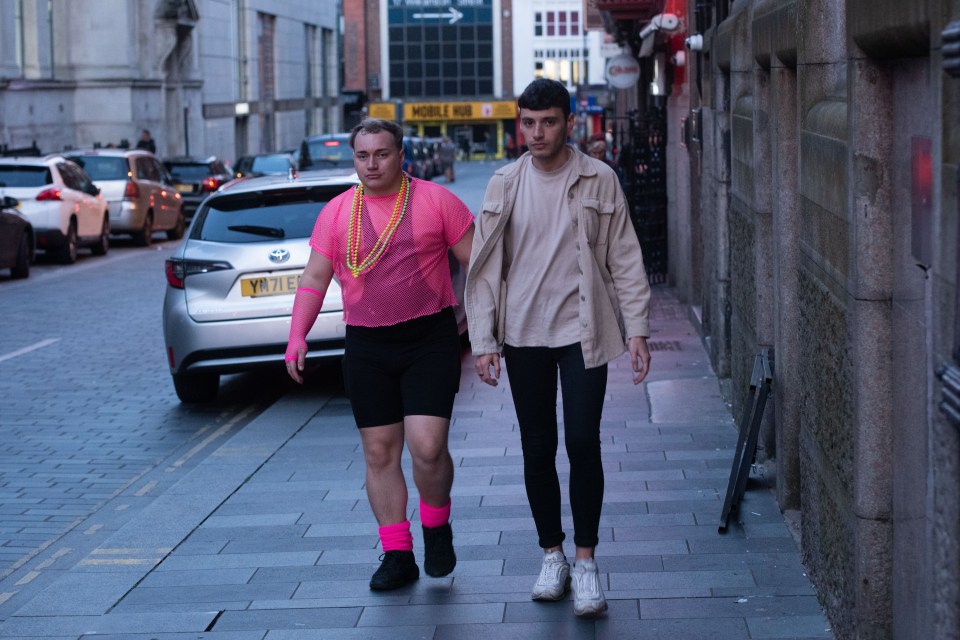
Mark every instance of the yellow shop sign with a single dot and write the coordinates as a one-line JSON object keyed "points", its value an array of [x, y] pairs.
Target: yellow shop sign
{"points": [[447, 111]]}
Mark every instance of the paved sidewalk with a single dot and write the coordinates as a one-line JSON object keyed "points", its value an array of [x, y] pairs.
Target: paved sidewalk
{"points": [[271, 537]]}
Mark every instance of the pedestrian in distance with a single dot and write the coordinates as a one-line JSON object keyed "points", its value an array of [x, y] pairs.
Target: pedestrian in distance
{"points": [[387, 242], [597, 148], [509, 147], [448, 158], [146, 141], [556, 283]]}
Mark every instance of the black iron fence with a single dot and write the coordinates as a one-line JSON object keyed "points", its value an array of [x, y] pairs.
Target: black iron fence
{"points": [[639, 142]]}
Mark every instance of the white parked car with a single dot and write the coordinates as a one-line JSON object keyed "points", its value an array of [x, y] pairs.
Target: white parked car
{"points": [[61, 202], [138, 190]]}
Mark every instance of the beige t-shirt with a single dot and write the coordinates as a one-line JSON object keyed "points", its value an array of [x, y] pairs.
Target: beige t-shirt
{"points": [[543, 276]]}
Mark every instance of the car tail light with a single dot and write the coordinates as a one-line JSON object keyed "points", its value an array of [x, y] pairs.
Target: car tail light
{"points": [[210, 184], [178, 269], [131, 191], [49, 194]]}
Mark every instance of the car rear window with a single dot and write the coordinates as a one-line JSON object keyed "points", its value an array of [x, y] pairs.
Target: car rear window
{"points": [[188, 172], [333, 151], [103, 168], [271, 163], [24, 176], [263, 216]]}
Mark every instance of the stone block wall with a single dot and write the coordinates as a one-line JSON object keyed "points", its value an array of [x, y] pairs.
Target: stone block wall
{"points": [[828, 209]]}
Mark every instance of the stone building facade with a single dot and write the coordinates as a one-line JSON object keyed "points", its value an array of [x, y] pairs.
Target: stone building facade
{"points": [[813, 165], [206, 77]]}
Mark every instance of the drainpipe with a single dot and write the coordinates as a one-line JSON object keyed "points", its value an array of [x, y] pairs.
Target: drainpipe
{"points": [[949, 373]]}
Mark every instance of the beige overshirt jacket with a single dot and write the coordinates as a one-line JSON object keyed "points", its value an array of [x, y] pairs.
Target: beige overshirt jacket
{"points": [[614, 292]]}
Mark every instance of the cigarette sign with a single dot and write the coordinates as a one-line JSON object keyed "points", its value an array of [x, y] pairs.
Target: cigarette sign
{"points": [[623, 71]]}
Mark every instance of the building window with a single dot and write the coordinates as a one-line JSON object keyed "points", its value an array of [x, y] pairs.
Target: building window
{"points": [[429, 60], [560, 24], [566, 65], [33, 25]]}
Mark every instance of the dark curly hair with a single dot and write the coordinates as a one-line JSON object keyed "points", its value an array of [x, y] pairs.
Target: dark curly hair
{"points": [[542, 94]]}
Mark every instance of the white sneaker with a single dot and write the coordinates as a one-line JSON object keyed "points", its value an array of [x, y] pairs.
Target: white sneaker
{"points": [[588, 597], [554, 580]]}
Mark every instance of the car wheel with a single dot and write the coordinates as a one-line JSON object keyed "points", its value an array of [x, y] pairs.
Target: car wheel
{"points": [[145, 236], [22, 268], [67, 253], [103, 243], [196, 387], [177, 231]]}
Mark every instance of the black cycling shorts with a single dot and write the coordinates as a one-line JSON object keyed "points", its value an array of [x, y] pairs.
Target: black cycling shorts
{"points": [[406, 369]]}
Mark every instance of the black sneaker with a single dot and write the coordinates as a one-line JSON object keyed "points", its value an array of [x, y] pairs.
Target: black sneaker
{"points": [[438, 556], [398, 568]]}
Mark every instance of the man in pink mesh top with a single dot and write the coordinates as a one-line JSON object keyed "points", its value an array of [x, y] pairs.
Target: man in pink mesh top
{"points": [[387, 241]]}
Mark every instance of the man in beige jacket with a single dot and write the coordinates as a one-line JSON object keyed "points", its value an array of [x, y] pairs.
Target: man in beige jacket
{"points": [[557, 283]]}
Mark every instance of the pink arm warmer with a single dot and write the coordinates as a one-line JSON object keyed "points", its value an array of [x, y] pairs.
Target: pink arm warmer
{"points": [[306, 307]]}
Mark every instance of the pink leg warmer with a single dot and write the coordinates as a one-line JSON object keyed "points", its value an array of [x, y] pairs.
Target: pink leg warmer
{"points": [[431, 517], [396, 537]]}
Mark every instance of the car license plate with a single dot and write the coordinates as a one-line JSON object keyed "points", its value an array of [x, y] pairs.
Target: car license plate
{"points": [[269, 285], [184, 188]]}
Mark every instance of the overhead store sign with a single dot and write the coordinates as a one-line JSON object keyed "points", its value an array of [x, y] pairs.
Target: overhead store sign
{"points": [[448, 111]]}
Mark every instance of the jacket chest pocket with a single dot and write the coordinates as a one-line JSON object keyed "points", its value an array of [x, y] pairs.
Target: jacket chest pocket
{"points": [[489, 217], [595, 216]]}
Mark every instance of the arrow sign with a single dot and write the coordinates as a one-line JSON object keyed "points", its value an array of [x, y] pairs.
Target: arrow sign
{"points": [[452, 14]]}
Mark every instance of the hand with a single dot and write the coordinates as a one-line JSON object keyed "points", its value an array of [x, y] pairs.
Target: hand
{"points": [[639, 358], [296, 360], [483, 364]]}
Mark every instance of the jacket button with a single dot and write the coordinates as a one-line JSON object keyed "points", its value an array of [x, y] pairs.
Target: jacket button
{"points": [[583, 298]]}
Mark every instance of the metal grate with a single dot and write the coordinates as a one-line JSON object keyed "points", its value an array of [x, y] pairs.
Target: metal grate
{"points": [[664, 345]]}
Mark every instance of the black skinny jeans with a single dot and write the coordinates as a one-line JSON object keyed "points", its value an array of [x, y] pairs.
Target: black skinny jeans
{"points": [[533, 382]]}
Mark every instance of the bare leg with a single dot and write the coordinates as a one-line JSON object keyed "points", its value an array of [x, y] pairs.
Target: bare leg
{"points": [[432, 465], [386, 488]]}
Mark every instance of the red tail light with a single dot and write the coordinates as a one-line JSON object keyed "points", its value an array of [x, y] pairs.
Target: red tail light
{"points": [[177, 269], [210, 184], [174, 274], [49, 194], [131, 191]]}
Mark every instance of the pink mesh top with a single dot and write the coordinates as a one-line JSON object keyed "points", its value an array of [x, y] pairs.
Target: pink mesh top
{"points": [[412, 278]]}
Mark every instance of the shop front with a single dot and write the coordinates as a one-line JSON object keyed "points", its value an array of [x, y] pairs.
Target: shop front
{"points": [[480, 129]]}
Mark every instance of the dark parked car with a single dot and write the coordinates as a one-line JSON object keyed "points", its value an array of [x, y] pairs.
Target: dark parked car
{"points": [[16, 239], [417, 159], [265, 164], [196, 178], [325, 151]]}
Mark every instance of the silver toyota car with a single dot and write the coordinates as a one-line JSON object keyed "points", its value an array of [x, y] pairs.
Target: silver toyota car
{"points": [[231, 283]]}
